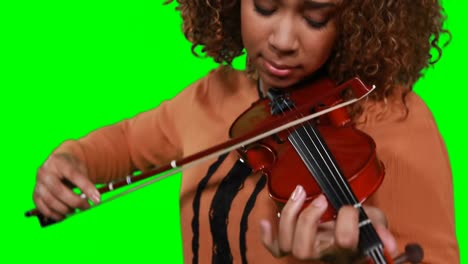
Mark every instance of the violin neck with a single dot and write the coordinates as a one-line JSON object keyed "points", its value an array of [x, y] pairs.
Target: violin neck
{"points": [[316, 156]]}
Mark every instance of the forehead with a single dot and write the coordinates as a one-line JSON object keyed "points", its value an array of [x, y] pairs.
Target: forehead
{"points": [[308, 4], [312, 2]]}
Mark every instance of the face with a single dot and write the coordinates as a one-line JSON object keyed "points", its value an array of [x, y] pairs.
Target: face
{"points": [[287, 40]]}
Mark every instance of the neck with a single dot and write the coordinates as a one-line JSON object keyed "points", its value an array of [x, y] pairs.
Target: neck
{"points": [[262, 88]]}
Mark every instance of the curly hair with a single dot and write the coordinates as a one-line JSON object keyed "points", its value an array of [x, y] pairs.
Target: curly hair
{"points": [[384, 42]]}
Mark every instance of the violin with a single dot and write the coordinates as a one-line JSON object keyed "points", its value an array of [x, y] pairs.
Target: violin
{"points": [[326, 155], [300, 135]]}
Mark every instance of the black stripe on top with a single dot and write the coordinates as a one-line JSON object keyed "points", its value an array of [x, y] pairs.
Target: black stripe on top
{"points": [[196, 206], [245, 216], [219, 211]]}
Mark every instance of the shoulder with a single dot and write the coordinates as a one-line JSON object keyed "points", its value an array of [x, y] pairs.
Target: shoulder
{"points": [[400, 132], [396, 112], [222, 80], [416, 164], [221, 89], [418, 110]]}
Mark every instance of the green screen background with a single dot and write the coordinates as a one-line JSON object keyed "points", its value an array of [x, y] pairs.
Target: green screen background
{"points": [[71, 67]]}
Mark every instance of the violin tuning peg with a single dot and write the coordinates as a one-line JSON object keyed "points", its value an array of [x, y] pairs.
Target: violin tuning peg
{"points": [[413, 254]]}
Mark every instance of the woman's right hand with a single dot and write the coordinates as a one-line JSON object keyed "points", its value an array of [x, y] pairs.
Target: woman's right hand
{"points": [[53, 195]]}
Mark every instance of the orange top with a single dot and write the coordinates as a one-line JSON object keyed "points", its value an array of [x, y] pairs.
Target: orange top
{"points": [[222, 204]]}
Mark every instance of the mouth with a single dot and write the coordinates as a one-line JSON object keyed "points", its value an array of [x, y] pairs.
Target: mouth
{"points": [[277, 69]]}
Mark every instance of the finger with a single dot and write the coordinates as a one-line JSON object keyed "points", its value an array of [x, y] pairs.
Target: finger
{"points": [[64, 194], [50, 176], [52, 202], [306, 229], [269, 240], [380, 223], [388, 239], [329, 225], [376, 215], [78, 177], [46, 211], [287, 224], [347, 228], [324, 240]]}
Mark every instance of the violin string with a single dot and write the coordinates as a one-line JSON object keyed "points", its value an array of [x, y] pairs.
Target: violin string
{"points": [[334, 171], [350, 199], [376, 253], [339, 177], [306, 161], [329, 184], [334, 177], [378, 256], [315, 161], [340, 180], [365, 235], [325, 180], [367, 232]]}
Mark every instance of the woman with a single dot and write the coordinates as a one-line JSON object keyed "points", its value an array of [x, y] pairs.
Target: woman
{"points": [[226, 212]]}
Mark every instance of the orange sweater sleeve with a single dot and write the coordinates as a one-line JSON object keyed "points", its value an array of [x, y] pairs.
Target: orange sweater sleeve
{"points": [[152, 138], [138, 143], [417, 192]]}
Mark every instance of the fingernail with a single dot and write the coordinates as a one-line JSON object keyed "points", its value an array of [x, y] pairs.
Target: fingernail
{"points": [[96, 198], [296, 193], [264, 225], [320, 201]]}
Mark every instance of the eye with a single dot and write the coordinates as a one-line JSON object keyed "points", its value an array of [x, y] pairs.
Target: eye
{"points": [[264, 11], [315, 24]]}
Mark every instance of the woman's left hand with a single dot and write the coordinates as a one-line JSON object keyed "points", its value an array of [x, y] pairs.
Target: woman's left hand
{"points": [[301, 234]]}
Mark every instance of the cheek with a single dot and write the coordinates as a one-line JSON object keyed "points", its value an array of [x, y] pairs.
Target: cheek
{"points": [[247, 36], [320, 47], [250, 41]]}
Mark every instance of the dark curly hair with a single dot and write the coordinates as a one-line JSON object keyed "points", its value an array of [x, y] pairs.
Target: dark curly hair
{"points": [[384, 42]]}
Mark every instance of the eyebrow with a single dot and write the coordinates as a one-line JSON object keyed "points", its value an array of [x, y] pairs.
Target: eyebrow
{"points": [[318, 5]]}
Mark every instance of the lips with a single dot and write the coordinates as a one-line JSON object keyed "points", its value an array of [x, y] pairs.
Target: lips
{"points": [[278, 69]]}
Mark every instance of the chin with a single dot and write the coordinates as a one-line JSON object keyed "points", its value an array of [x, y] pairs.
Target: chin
{"points": [[278, 82]]}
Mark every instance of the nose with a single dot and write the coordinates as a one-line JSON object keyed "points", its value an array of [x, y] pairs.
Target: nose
{"points": [[283, 38]]}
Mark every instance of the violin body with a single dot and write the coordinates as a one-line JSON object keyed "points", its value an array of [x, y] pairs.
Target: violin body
{"points": [[353, 150]]}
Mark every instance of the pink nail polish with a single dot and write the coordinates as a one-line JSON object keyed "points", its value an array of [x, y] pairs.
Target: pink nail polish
{"points": [[320, 202], [296, 193], [96, 199]]}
